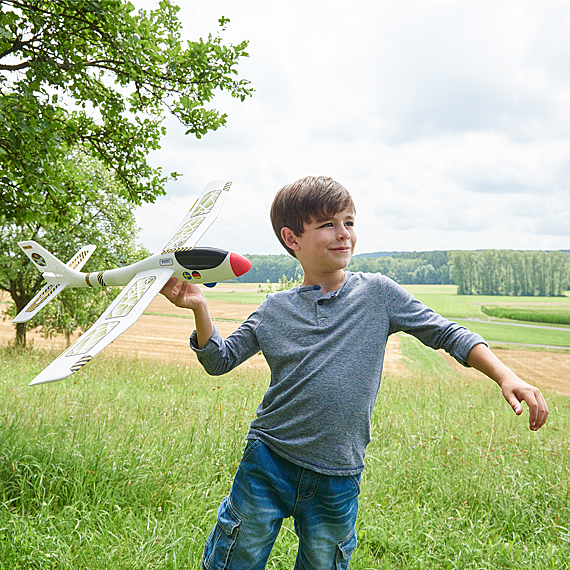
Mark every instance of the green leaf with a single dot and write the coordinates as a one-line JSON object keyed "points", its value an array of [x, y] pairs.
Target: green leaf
{"points": [[94, 66]]}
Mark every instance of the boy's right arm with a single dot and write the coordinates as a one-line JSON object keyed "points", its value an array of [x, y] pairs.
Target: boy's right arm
{"points": [[189, 296]]}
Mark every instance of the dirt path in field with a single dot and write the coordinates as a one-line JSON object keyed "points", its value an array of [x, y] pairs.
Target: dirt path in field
{"points": [[165, 338], [546, 370]]}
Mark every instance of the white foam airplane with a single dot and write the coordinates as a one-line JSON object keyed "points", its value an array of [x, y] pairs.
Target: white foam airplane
{"points": [[177, 257]]}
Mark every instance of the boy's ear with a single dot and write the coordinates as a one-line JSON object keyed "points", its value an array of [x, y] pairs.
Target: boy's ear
{"points": [[290, 238]]}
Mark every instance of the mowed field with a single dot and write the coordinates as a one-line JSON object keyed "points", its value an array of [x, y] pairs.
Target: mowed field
{"points": [[162, 334]]}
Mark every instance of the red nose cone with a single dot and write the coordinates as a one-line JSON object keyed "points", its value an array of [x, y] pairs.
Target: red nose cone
{"points": [[240, 264]]}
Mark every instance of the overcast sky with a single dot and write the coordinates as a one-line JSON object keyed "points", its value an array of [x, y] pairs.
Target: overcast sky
{"points": [[448, 121]]}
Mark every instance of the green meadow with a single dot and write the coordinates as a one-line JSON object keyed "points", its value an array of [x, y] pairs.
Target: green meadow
{"points": [[467, 310], [445, 300], [125, 464]]}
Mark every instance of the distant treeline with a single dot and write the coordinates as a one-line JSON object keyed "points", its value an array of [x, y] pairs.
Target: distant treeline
{"points": [[508, 272], [485, 272], [408, 268], [271, 268]]}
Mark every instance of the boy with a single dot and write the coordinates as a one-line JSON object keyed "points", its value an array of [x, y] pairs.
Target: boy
{"points": [[324, 342]]}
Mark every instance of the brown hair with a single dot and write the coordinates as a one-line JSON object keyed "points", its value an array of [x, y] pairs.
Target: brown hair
{"points": [[310, 199]]}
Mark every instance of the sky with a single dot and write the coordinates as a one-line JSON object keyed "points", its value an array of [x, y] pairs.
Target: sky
{"points": [[448, 122]]}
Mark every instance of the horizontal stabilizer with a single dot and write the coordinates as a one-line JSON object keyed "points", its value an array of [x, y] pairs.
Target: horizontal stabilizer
{"points": [[45, 261], [46, 294], [81, 257]]}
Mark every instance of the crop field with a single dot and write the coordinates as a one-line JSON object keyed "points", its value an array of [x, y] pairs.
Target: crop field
{"points": [[498, 329], [554, 314], [125, 467]]}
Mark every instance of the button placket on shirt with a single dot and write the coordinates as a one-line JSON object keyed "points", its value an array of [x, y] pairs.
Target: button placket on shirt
{"points": [[324, 306], [322, 318]]}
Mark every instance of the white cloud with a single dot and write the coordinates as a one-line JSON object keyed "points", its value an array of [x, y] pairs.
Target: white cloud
{"points": [[448, 121]]}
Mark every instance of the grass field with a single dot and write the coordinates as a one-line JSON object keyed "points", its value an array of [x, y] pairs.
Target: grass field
{"points": [[444, 300], [441, 298], [506, 333], [124, 467]]}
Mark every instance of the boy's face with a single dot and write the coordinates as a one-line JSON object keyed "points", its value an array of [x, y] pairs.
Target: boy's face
{"points": [[327, 245]]}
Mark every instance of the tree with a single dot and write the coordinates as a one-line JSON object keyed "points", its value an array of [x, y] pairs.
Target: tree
{"points": [[106, 221], [507, 272], [98, 75]]}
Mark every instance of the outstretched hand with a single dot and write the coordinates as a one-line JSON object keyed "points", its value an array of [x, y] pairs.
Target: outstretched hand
{"points": [[183, 294], [514, 389], [517, 391]]}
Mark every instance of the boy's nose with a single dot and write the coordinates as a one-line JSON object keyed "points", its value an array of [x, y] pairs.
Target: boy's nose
{"points": [[343, 234]]}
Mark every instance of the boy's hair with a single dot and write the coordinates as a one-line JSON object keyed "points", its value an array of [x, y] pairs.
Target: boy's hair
{"points": [[310, 199]]}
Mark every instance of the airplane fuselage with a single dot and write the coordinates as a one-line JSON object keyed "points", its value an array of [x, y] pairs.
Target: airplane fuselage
{"points": [[195, 265]]}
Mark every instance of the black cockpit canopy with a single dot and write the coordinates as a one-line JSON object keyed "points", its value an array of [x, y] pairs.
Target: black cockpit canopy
{"points": [[201, 257]]}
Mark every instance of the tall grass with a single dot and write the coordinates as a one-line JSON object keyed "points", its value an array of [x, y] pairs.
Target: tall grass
{"points": [[124, 466]]}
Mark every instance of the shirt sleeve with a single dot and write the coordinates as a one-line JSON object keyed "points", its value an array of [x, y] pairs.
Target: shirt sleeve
{"points": [[219, 355], [409, 315]]}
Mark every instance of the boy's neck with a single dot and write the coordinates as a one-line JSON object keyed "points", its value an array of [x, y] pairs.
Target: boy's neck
{"points": [[327, 282]]}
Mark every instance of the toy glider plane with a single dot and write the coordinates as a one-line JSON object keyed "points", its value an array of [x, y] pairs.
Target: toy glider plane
{"points": [[176, 258]]}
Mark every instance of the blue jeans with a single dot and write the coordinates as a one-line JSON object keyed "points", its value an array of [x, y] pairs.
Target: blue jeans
{"points": [[268, 488]]}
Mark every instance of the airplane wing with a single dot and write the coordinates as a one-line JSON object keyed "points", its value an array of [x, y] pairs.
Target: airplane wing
{"points": [[122, 313], [49, 291], [200, 217]]}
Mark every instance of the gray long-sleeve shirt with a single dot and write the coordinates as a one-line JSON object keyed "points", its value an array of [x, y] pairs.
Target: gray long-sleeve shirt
{"points": [[326, 354]]}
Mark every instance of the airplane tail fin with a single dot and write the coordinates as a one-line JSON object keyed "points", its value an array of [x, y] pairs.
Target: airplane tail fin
{"points": [[53, 271]]}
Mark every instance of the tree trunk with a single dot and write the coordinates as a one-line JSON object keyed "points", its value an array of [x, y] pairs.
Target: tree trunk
{"points": [[21, 334]]}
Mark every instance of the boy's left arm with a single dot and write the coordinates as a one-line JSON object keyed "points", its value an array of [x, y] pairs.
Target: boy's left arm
{"points": [[514, 389]]}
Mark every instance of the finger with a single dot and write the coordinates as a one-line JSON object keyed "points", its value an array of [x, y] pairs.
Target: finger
{"points": [[181, 294], [542, 415], [515, 404], [169, 286], [538, 410], [169, 289]]}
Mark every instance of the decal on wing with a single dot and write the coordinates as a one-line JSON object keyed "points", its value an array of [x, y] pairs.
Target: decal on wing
{"points": [[199, 218], [121, 314], [183, 235], [206, 203], [131, 297], [87, 341]]}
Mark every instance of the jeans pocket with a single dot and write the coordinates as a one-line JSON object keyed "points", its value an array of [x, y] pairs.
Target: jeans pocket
{"points": [[250, 447], [222, 540], [344, 552], [356, 480]]}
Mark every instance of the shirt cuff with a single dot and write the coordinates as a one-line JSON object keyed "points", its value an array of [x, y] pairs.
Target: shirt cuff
{"points": [[215, 340], [462, 358]]}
